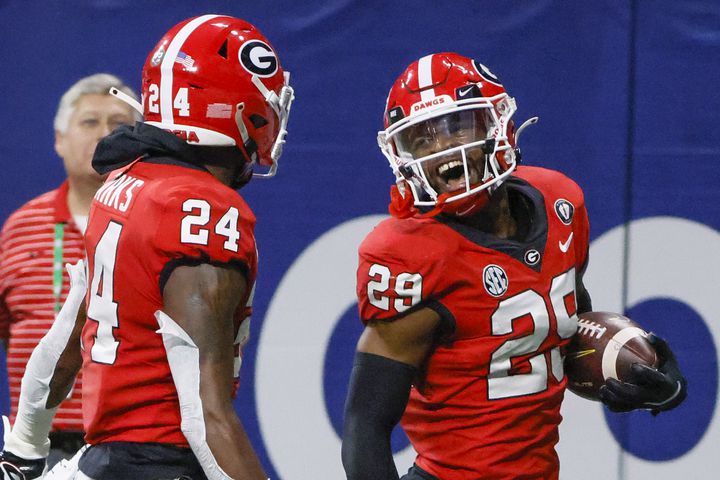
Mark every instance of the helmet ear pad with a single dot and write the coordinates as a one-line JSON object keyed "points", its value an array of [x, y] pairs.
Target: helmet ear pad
{"points": [[258, 130]]}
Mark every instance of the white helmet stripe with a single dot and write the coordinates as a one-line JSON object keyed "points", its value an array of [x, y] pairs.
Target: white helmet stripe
{"points": [[425, 77], [166, 68]]}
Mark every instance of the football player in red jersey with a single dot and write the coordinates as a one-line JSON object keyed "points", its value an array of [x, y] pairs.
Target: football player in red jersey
{"points": [[171, 262], [470, 292]]}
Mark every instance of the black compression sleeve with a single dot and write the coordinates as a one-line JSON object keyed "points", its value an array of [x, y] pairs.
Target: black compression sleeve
{"points": [[377, 396], [584, 303], [582, 296]]}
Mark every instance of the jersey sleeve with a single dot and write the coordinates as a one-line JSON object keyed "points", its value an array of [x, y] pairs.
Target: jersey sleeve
{"points": [[391, 280], [201, 224], [5, 319], [5, 316]]}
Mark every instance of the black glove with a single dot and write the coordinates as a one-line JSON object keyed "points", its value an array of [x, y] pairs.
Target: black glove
{"points": [[657, 390], [13, 467]]}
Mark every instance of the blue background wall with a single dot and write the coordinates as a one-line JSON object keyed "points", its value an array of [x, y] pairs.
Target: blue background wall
{"points": [[627, 94]]}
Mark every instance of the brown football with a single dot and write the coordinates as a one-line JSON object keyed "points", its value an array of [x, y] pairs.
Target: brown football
{"points": [[605, 346]]}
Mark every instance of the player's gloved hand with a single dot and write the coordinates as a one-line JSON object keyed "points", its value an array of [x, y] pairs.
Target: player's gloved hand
{"points": [[653, 389], [13, 467]]}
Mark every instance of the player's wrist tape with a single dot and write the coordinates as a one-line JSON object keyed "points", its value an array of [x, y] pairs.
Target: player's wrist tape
{"points": [[21, 442]]}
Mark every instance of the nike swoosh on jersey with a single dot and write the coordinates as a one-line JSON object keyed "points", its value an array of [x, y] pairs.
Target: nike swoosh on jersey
{"points": [[565, 246]]}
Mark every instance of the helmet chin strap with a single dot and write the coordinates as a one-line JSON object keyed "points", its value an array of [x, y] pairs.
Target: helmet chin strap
{"points": [[242, 176], [244, 134]]}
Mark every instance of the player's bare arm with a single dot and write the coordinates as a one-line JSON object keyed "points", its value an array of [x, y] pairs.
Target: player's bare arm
{"points": [[69, 363], [407, 340], [202, 300], [389, 354]]}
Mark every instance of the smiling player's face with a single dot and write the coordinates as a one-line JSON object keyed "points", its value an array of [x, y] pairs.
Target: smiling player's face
{"points": [[447, 172]]}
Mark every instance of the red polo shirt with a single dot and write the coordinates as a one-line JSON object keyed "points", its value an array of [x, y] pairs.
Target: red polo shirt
{"points": [[27, 301]]}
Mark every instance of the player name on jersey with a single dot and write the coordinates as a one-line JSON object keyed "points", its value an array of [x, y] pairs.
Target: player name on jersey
{"points": [[118, 193]]}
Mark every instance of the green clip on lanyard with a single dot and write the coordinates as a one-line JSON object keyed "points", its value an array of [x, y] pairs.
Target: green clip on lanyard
{"points": [[58, 264]]}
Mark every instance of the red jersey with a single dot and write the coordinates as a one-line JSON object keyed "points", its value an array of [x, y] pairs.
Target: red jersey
{"points": [[146, 220], [488, 403], [32, 286]]}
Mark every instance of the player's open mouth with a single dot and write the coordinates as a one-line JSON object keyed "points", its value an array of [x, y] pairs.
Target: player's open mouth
{"points": [[452, 174]]}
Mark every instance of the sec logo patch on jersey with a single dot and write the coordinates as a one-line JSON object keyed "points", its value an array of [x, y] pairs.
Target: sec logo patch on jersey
{"points": [[495, 280]]}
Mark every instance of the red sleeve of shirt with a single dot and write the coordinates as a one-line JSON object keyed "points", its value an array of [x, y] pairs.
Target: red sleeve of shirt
{"points": [[4, 321], [581, 227], [397, 270], [5, 317], [202, 224]]}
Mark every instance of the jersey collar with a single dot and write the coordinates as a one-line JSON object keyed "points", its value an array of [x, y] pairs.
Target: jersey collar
{"points": [[62, 211]]}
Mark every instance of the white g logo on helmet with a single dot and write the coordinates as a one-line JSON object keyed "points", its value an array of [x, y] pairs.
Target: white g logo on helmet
{"points": [[258, 58]]}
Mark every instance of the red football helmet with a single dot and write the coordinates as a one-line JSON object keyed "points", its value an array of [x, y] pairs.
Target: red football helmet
{"points": [[215, 80], [448, 133]]}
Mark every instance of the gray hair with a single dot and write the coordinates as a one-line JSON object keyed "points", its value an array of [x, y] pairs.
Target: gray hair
{"points": [[100, 83]]}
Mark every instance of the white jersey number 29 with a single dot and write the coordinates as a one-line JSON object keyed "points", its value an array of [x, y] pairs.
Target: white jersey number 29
{"points": [[501, 382], [407, 288]]}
